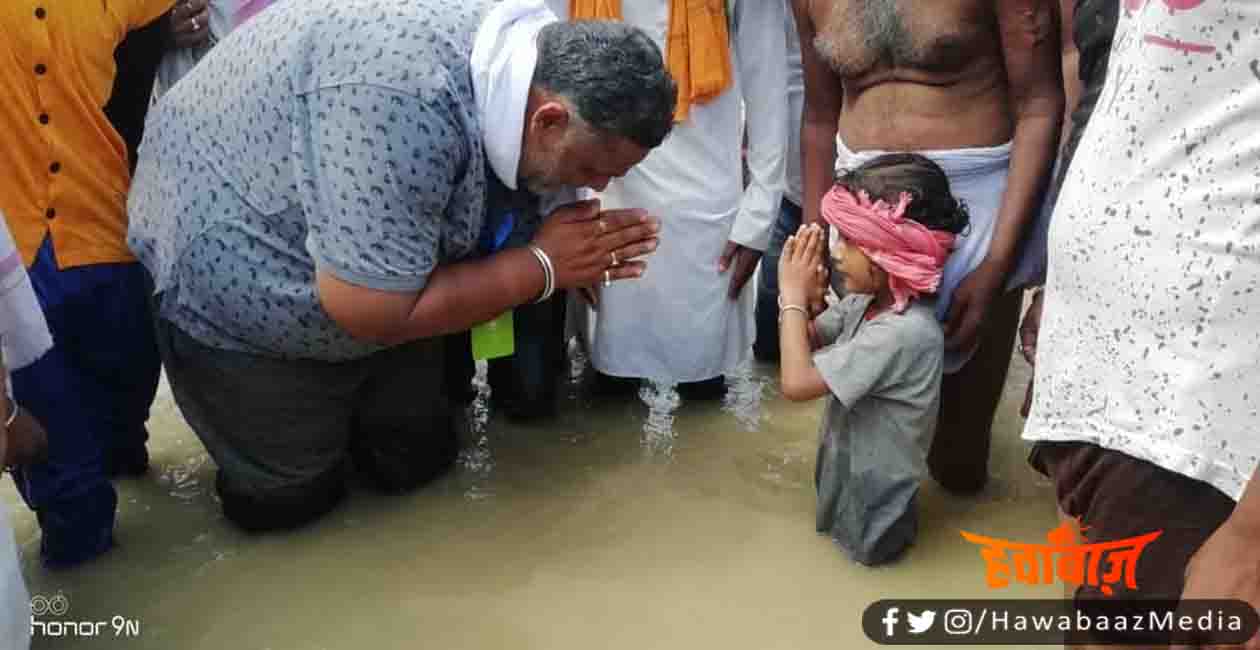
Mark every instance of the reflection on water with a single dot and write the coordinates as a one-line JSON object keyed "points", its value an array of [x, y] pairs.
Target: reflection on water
{"points": [[625, 523]]}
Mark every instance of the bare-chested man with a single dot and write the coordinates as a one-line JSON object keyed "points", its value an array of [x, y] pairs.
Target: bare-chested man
{"points": [[976, 85]]}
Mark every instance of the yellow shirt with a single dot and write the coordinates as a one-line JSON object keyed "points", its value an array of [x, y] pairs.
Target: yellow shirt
{"points": [[63, 168]]}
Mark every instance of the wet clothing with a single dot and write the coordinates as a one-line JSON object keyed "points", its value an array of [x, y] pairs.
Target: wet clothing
{"points": [[677, 323], [1148, 344], [282, 432], [63, 196], [376, 164], [884, 375], [1116, 496], [92, 393]]}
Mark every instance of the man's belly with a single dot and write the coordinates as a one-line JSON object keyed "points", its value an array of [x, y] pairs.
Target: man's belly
{"points": [[909, 116]]}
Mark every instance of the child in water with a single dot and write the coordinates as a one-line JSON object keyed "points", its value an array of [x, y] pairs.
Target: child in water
{"points": [[877, 353]]}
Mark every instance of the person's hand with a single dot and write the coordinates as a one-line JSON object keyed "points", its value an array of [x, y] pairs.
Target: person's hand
{"points": [[744, 262], [27, 442], [1030, 328], [1226, 567], [818, 293], [24, 442], [189, 23], [587, 246], [799, 266], [590, 296], [970, 306]]}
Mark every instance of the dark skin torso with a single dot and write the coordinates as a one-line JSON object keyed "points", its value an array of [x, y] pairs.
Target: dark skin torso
{"points": [[913, 74], [919, 75]]}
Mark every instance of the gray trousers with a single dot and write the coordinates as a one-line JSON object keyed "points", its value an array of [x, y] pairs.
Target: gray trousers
{"points": [[284, 433]]}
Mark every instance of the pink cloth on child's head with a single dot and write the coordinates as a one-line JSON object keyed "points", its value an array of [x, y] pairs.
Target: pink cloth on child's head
{"points": [[250, 8], [912, 254]]}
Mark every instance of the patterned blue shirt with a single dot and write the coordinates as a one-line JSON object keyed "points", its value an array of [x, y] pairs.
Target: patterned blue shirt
{"points": [[324, 134]]}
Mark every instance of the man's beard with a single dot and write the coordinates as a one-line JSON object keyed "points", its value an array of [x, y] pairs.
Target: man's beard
{"points": [[540, 181]]}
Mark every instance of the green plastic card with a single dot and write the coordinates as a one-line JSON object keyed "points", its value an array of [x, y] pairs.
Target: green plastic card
{"points": [[494, 339]]}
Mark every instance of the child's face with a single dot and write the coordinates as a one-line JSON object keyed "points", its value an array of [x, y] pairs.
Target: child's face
{"points": [[860, 275]]}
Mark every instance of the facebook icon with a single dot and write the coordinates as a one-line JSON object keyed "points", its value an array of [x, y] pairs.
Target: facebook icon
{"points": [[890, 620]]}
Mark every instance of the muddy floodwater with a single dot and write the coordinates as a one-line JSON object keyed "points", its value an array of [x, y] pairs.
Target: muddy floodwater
{"points": [[628, 523]]}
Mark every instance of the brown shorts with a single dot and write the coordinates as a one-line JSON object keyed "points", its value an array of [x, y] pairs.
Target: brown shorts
{"points": [[1116, 496]]}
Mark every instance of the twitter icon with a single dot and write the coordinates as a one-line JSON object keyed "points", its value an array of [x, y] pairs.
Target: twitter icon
{"points": [[923, 622]]}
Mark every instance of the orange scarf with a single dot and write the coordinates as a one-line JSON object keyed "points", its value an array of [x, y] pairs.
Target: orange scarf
{"points": [[698, 49]]}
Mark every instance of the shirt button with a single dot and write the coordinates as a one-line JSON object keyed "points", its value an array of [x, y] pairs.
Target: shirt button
{"points": [[55, 167], [40, 68], [51, 213], [40, 13], [43, 118]]}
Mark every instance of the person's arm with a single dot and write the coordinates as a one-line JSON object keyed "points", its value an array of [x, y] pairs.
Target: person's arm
{"points": [[383, 180], [1072, 86], [1034, 69], [187, 24], [1227, 566], [761, 49], [824, 98], [461, 295], [24, 441]]}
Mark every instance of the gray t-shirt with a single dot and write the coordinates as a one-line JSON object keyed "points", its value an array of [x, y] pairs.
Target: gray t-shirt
{"points": [[321, 134], [884, 374]]}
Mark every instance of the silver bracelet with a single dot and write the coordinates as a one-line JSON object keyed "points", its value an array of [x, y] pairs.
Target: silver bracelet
{"points": [[786, 308], [549, 273]]}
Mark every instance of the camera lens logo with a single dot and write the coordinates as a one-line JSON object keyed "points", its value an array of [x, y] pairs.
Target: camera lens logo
{"points": [[57, 605], [958, 622]]}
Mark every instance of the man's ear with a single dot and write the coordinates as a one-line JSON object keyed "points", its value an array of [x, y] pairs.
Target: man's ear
{"points": [[551, 117]]}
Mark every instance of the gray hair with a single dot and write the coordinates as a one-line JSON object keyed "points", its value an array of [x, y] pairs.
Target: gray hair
{"points": [[612, 74]]}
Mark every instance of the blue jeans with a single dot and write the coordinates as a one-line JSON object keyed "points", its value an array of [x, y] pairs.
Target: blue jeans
{"points": [[766, 346], [92, 393]]}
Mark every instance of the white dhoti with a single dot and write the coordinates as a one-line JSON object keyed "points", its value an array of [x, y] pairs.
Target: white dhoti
{"points": [[977, 176]]}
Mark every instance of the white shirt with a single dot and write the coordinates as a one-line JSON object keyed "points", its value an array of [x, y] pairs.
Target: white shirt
{"points": [[1149, 343], [676, 323]]}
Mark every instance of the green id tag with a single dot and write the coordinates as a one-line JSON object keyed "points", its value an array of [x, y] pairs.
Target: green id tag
{"points": [[494, 339]]}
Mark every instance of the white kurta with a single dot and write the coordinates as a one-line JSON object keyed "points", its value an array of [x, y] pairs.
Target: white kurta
{"points": [[676, 323]]}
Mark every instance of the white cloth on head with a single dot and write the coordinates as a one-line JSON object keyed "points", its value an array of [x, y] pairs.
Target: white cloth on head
{"points": [[677, 323], [1148, 343], [977, 176], [504, 56]]}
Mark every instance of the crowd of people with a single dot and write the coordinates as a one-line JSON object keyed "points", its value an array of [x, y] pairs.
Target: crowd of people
{"points": [[315, 216]]}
